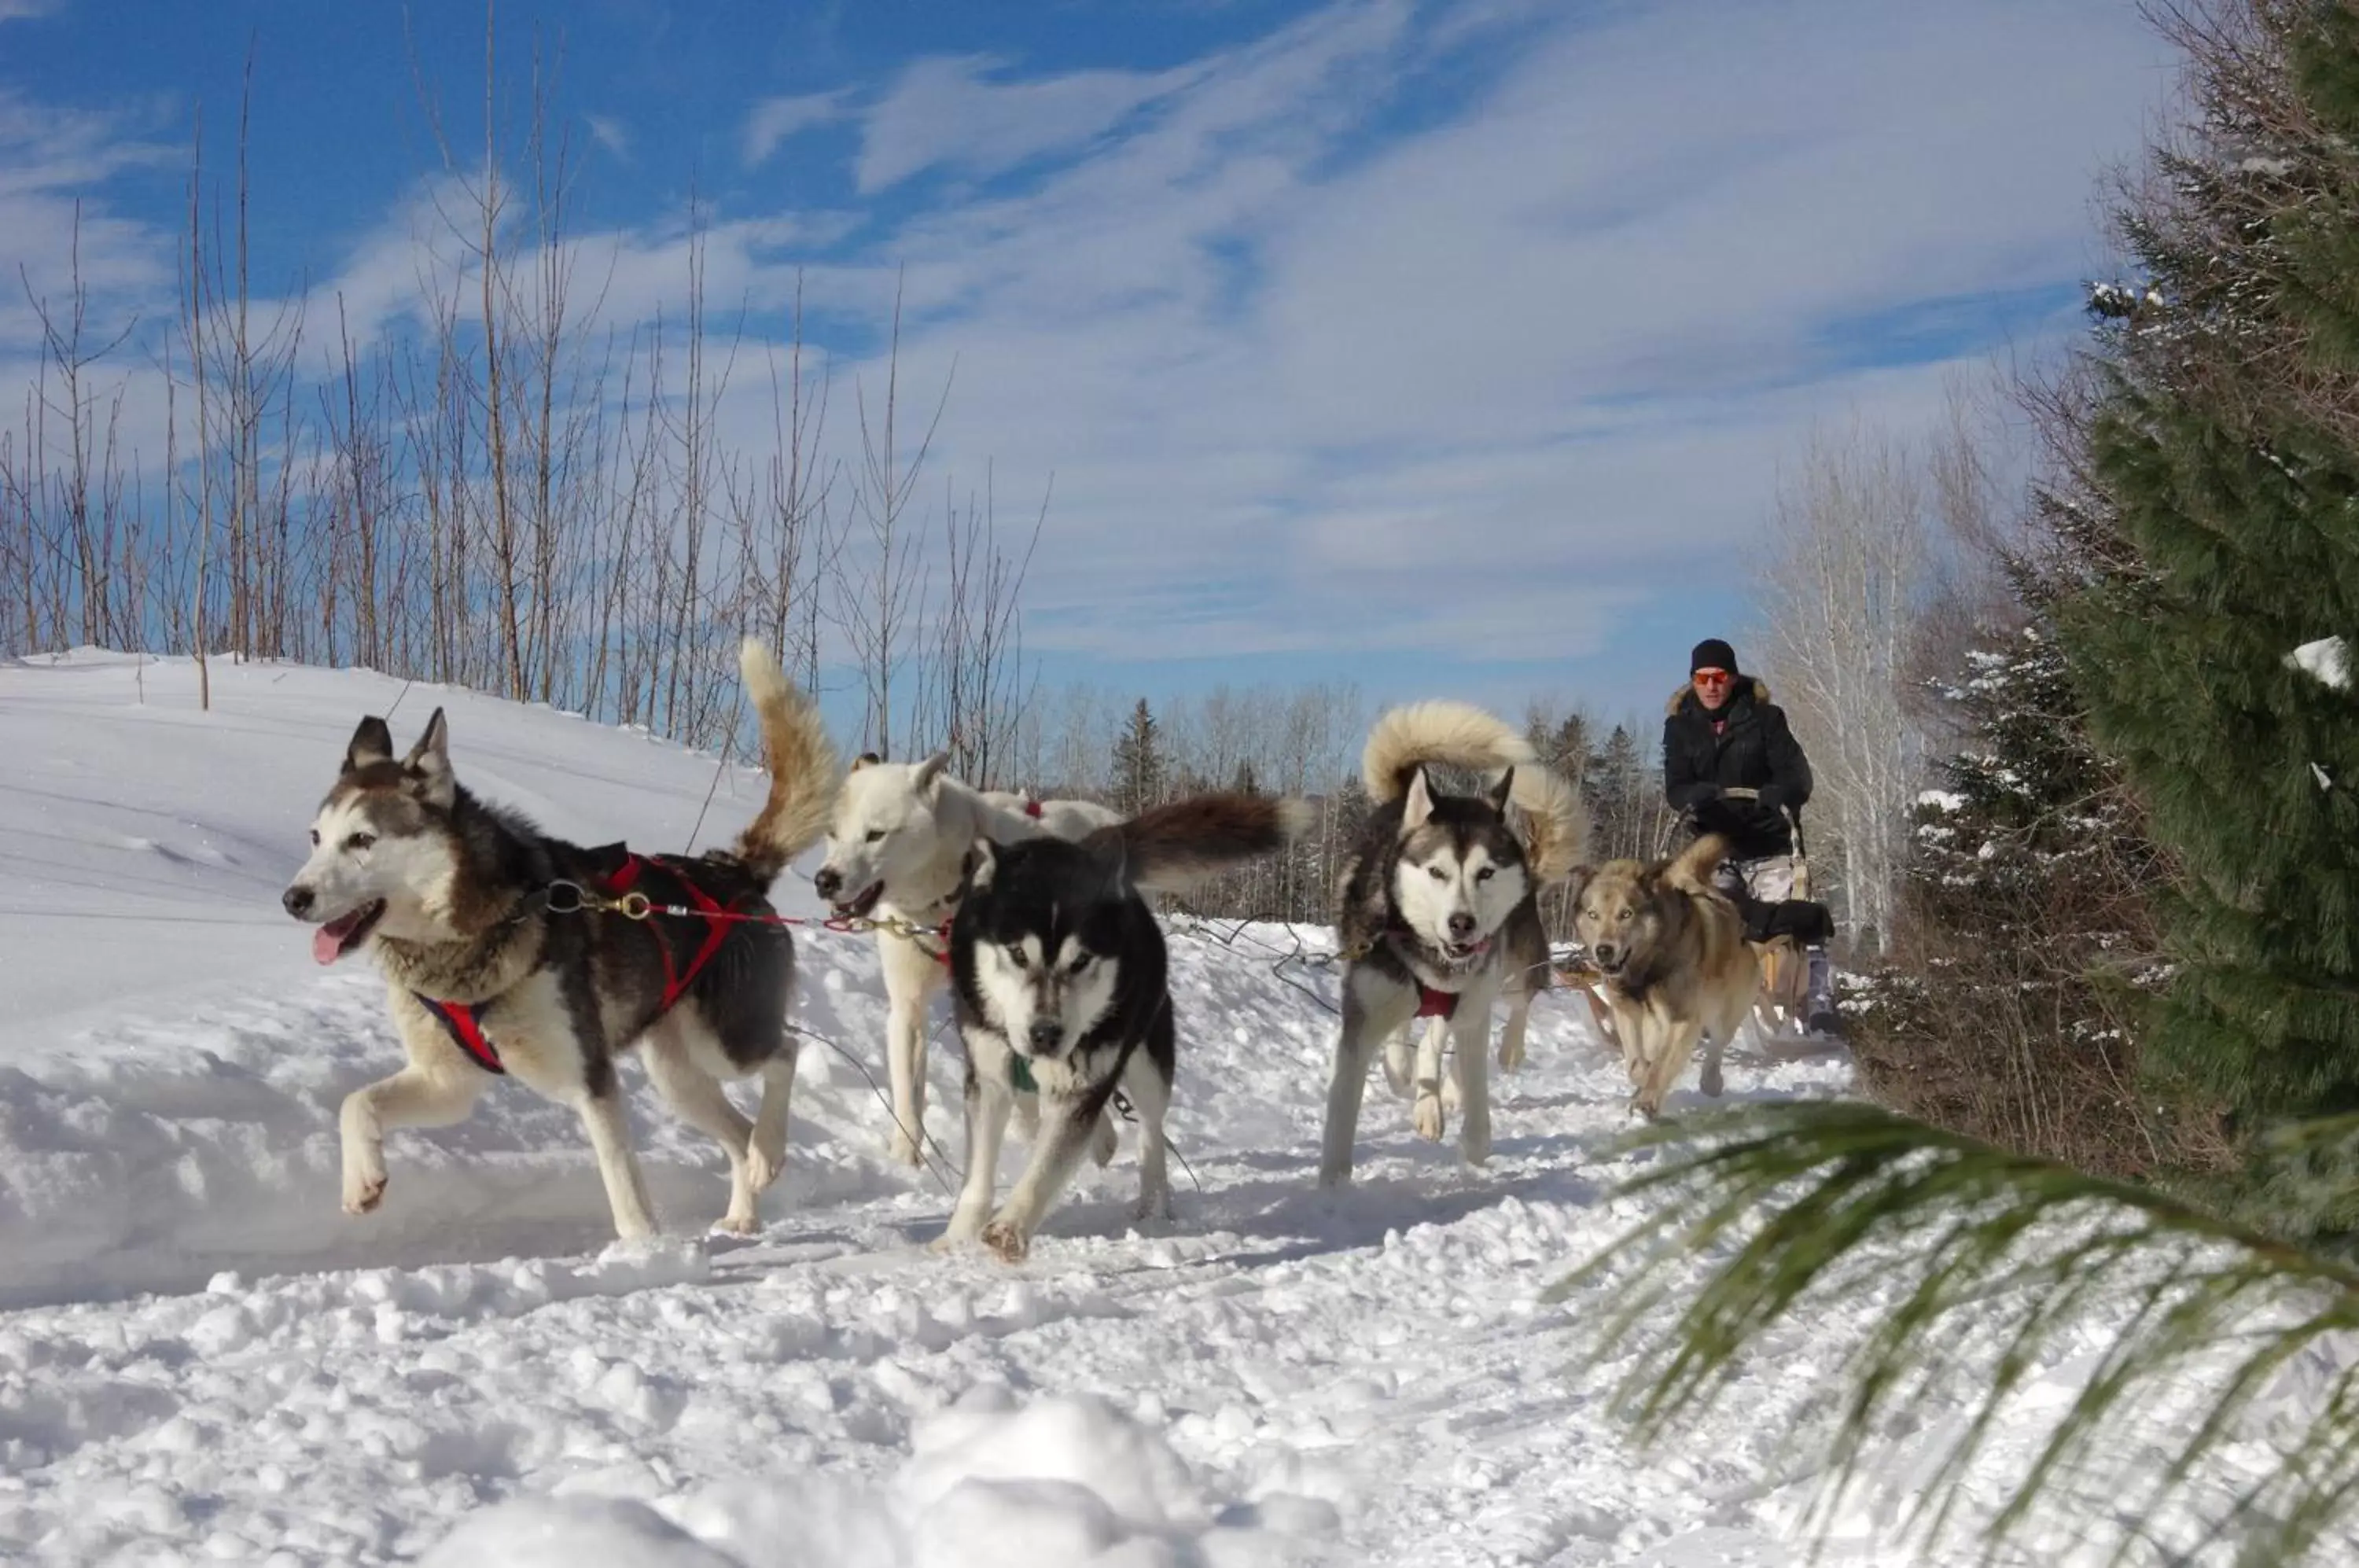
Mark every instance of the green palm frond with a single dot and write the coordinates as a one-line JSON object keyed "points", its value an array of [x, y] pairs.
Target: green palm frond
{"points": [[1990, 1268]]}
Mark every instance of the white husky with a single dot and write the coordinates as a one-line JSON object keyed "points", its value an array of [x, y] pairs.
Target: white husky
{"points": [[896, 850]]}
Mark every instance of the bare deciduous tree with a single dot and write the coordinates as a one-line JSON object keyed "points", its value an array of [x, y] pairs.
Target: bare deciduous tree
{"points": [[1840, 591]]}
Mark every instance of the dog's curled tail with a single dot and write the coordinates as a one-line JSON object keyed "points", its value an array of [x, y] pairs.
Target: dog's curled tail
{"points": [[1457, 734], [1556, 822], [801, 761], [1169, 849], [1691, 867]]}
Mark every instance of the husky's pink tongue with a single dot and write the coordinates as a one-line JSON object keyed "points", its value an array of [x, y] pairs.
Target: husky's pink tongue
{"points": [[333, 941]]}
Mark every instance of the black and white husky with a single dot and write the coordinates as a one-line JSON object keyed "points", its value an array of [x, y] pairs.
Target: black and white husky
{"points": [[1059, 973], [501, 957], [1437, 906], [896, 850]]}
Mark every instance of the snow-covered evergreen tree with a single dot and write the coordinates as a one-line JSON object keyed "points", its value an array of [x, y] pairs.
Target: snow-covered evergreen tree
{"points": [[2224, 451], [2028, 935]]}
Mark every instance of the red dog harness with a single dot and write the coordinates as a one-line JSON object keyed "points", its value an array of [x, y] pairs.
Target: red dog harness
{"points": [[464, 1021]]}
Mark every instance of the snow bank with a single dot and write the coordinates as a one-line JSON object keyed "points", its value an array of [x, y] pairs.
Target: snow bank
{"points": [[1064, 1481]]}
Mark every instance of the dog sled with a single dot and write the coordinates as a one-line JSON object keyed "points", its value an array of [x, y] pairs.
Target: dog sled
{"points": [[1780, 933]]}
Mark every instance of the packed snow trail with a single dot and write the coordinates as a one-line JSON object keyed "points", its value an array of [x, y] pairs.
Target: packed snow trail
{"points": [[205, 1361]]}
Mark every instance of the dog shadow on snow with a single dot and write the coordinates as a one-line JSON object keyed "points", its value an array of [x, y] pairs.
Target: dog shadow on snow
{"points": [[1401, 1181], [1272, 1195]]}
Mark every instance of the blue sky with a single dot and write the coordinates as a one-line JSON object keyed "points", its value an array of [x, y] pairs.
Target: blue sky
{"points": [[1444, 348]]}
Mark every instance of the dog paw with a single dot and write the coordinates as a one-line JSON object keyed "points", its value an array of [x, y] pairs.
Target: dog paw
{"points": [[1401, 1068], [738, 1225], [964, 1226], [903, 1149], [1007, 1244], [1152, 1211], [761, 1170], [364, 1190], [1474, 1147], [1450, 1092], [1102, 1142], [1511, 1056], [1428, 1117], [1710, 1083]]}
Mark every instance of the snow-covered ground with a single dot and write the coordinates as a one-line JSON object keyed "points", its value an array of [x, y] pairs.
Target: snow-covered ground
{"points": [[201, 1359]]}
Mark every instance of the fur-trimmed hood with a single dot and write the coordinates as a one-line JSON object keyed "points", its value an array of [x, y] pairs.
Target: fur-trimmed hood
{"points": [[1687, 690]]}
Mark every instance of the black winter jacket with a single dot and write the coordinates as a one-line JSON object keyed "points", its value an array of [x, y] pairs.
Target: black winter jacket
{"points": [[1751, 749]]}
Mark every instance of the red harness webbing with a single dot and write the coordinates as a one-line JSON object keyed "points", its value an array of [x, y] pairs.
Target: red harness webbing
{"points": [[716, 929], [1031, 808], [1433, 1004], [464, 1021], [461, 1022]]}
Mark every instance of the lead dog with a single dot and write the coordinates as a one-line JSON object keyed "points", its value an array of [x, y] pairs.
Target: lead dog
{"points": [[500, 957]]}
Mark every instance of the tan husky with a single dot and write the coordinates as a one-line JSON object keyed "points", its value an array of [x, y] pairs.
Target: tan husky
{"points": [[1676, 965]]}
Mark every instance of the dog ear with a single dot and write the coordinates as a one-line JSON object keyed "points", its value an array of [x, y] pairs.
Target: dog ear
{"points": [[1503, 791], [426, 768], [929, 773], [1576, 883], [373, 742], [866, 760], [982, 862], [1417, 809]]}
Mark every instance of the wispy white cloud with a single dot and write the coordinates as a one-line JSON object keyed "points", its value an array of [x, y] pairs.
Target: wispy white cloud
{"points": [[944, 113], [24, 10], [1310, 384], [610, 133], [776, 120], [1558, 342], [57, 226]]}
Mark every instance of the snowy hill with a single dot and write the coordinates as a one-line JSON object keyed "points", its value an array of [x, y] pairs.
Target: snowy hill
{"points": [[205, 1360]]}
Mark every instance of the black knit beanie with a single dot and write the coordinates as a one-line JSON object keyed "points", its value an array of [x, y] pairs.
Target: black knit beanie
{"points": [[1712, 654]]}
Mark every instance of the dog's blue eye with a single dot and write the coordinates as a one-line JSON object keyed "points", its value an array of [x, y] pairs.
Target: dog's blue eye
{"points": [[359, 841]]}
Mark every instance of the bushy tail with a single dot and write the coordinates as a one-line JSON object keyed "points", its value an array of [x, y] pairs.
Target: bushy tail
{"points": [[1169, 849], [1459, 734], [802, 767], [1556, 822], [1691, 867]]}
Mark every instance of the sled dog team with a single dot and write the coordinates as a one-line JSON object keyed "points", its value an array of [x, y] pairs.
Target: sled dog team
{"points": [[506, 952]]}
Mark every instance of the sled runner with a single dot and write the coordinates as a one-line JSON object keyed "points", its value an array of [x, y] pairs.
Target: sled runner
{"points": [[1780, 933]]}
